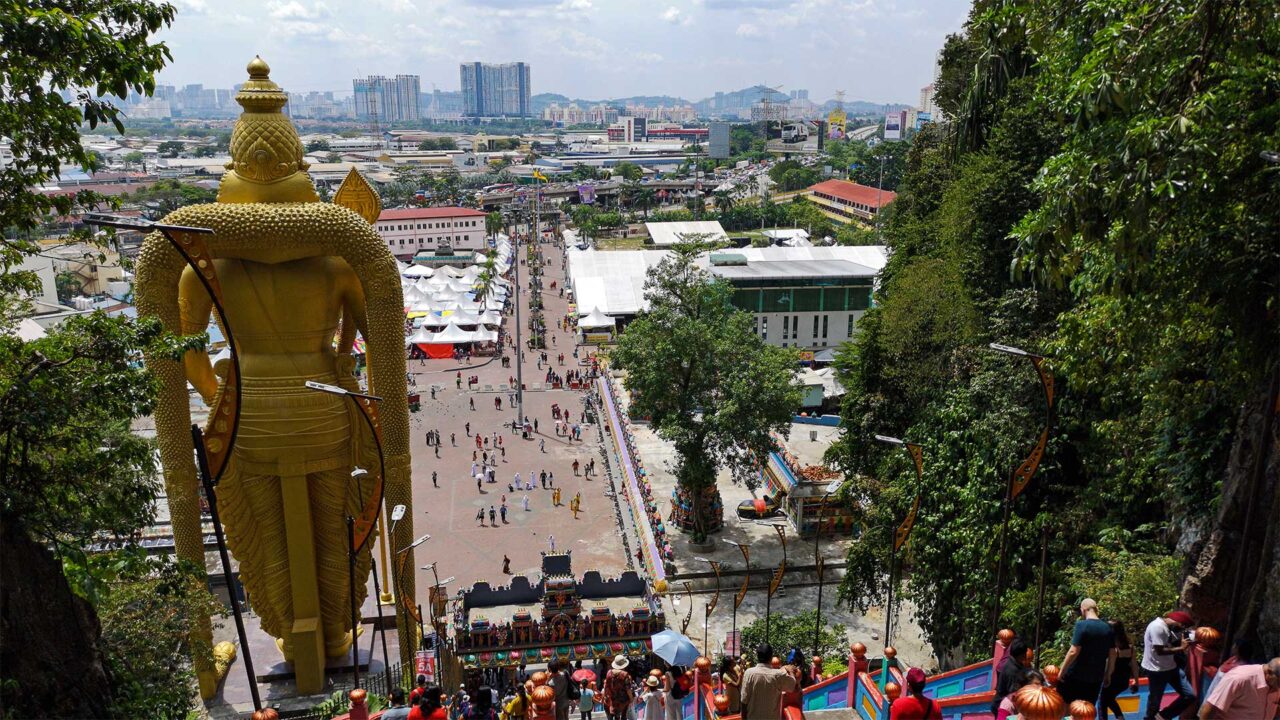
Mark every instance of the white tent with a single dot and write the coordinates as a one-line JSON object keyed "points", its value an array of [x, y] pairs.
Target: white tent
{"points": [[465, 317], [460, 286], [435, 321], [413, 296], [421, 336], [451, 271], [596, 319], [447, 295], [426, 306], [418, 271], [452, 334], [490, 317], [485, 336], [425, 285]]}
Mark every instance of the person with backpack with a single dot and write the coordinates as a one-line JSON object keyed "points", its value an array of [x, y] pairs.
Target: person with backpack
{"points": [[914, 705], [616, 690]]}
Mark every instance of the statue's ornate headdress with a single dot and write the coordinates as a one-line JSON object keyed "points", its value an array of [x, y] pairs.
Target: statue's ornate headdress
{"points": [[266, 155]]}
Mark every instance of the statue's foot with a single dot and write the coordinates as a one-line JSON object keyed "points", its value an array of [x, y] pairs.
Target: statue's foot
{"points": [[285, 649], [342, 645]]}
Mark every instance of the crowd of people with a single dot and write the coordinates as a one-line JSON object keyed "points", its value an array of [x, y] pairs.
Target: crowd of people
{"points": [[1102, 663]]}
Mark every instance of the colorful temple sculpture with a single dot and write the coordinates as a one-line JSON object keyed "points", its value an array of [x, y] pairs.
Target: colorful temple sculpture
{"points": [[561, 617], [283, 274]]}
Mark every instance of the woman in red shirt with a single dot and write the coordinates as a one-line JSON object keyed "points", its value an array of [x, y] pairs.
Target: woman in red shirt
{"points": [[915, 706], [429, 706]]}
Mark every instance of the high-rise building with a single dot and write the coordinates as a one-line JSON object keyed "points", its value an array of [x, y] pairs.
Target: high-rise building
{"points": [[389, 99], [490, 90]]}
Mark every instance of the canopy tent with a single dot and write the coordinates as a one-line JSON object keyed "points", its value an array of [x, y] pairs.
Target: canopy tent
{"points": [[438, 282], [418, 271], [421, 336], [434, 320], [451, 271], [452, 334], [465, 317], [460, 286], [413, 296], [490, 317], [485, 336], [596, 319], [447, 295]]}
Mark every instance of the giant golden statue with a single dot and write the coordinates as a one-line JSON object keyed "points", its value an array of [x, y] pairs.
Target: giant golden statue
{"points": [[292, 274]]}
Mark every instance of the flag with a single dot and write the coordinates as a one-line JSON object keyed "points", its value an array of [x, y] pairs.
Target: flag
{"points": [[537, 175]]}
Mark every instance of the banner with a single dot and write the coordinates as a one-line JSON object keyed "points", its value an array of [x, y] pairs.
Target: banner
{"points": [[586, 194], [893, 126], [424, 665], [1022, 476], [904, 530]]}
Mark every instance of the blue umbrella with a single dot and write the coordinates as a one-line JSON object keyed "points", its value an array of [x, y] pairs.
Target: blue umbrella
{"points": [[674, 648]]}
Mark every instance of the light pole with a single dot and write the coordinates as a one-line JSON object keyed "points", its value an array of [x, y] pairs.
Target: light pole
{"points": [[715, 599], [351, 599], [382, 629], [742, 593], [515, 266], [899, 536], [775, 582], [831, 487], [1022, 475]]}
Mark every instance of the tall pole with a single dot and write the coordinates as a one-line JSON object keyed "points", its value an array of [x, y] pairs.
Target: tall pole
{"points": [[515, 255], [1044, 562], [818, 564], [898, 535], [1021, 476], [880, 191], [888, 603], [742, 593], [351, 597], [202, 461], [386, 662]]}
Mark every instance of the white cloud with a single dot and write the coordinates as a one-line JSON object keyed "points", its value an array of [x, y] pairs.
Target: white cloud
{"points": [[747, 30], [295, 10], [192, 7], [674, 16]]}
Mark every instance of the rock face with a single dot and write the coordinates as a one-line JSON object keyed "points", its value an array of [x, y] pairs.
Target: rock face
{"points": [[1214, 547], [46, 636]]}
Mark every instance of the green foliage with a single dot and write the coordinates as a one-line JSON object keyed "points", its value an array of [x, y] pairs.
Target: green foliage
{"points": [[444, 143], [165, 196], [171, 148], [796, 630], [318, 146], [628, 171], [139, 600], [791, 175], [1110, 157], [696, 367], [339, 704], [861, 162], [1130, 586]]}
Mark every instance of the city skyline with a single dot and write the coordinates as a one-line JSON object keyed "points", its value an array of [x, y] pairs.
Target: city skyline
{"points": [[875, 50]]}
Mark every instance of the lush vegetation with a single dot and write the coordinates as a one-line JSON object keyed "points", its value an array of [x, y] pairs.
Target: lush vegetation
{"points": [[795, 630], [1101, 196], [86, 634]]}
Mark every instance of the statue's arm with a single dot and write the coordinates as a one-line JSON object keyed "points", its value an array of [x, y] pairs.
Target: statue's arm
{"points": [[195, 308], [353, 310]]}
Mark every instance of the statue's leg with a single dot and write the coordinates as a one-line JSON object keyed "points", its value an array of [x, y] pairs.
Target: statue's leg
{"points": [[333, 497], [305, 631], [253, 516]]}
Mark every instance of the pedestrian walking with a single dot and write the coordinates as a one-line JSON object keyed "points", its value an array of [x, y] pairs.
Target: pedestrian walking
{"points": [[575, 468], [433, 479], [437, 451], [480, 516], [468, 427], [551, 479], [453, 439], [552, 540], [535, 424], [493, 516], [542, 445], [503, 512], [497, 403], [525, 501], [473, 404], [479, 486], [506, 565], [517, 481]]}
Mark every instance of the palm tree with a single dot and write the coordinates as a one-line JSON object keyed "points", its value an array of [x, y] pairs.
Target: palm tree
{"points": [[487, 278], [724, 202], [646, 197]]}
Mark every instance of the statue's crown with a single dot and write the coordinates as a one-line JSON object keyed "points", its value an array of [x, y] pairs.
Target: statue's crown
{"points": [[266, 155]]}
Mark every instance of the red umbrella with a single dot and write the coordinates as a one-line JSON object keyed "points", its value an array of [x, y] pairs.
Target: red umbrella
{"points": [[583, 675]]}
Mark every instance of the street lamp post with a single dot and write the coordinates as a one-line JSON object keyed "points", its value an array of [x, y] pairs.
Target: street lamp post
{"points": [[351, 598], [898, 537], [833, 486], [715, 599], [1022, 475], [377, 590], [742, 593]]}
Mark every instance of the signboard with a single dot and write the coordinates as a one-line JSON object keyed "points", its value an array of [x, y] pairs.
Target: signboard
{"points": [[837, 122], [923, 118], [598, 338], [424, 665], [718, 137], [586, 194], [795, 136], [893, 126]]}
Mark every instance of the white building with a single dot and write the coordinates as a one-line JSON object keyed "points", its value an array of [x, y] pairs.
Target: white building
{"points": [[408, 231], [803, 297]]}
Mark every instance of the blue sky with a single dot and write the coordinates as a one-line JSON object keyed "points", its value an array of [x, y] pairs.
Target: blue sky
{"points": [[878, 50]]}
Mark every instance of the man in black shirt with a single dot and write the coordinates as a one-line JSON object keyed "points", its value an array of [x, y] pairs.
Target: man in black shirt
{"points": [[1088, 663], [1010, 675]]}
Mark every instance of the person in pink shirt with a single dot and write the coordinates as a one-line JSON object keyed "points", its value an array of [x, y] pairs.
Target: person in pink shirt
{"points": [[1248, 691]]}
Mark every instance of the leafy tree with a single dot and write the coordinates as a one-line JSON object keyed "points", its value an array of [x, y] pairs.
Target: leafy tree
{"points": [[69, 286], [165, 196], [333, 157], [582, 171], [724, 201], [134, 159], [628, 171], [171, 148], [493, 223], [205, 151], [710, 385], [795, 630], [791, 175], [319, 145]]}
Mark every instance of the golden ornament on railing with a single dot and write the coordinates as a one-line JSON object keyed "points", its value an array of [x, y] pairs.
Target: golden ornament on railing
{"points": [[1036, 702], [1005, 637], [891, 652], [540, 678], [1051, 674], [1082, 710], [702, 665], [858, 649], [1209, 638]]}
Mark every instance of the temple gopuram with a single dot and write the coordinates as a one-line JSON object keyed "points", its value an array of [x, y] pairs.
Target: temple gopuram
{"points": [[561, 617]]}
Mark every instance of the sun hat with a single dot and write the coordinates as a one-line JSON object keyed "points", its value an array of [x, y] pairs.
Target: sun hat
{"points": [[620, 662], [651, 681]]}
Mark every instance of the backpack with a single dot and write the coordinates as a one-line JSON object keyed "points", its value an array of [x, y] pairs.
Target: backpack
{"points": [[574, 692]]}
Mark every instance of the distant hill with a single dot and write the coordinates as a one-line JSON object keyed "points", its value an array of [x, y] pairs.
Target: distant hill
{"points": [[727, 102], [542, 100]]}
